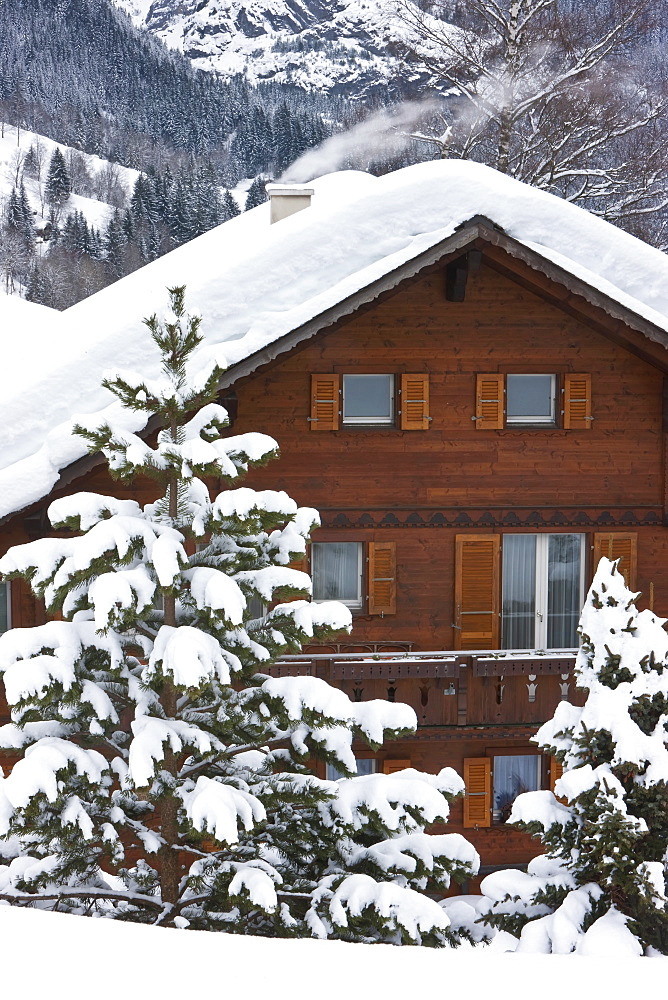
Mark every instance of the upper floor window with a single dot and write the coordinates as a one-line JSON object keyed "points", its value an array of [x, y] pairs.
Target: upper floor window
{"points": [[336, 568], [526, 400], [368, 399], [530, 399]]}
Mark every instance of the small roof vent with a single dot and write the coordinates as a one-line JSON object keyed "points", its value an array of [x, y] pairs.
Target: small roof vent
{"points": [[287, 199]]}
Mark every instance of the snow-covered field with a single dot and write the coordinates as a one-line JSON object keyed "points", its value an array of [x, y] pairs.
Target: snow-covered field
{"points": [[62, 955]]}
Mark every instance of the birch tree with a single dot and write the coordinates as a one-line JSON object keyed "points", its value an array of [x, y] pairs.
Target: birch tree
{"points": [[551, 93]]}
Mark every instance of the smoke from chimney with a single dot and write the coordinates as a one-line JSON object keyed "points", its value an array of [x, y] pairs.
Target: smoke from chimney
{"points": [[385, 133]]}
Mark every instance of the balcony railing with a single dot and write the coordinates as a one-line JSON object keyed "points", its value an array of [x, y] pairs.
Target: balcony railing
{"points": [[376, 660]]}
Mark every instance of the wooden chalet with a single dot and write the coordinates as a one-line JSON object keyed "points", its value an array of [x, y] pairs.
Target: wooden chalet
{"points": [[477, 425]]}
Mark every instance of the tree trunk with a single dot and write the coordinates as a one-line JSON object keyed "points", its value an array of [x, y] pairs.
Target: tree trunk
{"points": [[170, 873]]}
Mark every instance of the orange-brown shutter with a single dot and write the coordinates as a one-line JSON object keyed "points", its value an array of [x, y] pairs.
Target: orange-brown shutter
{"points": [[620, 545], [477, 591], [489, 393], [325, 402], [556, 771], [478, 793], [577, 402], [382, 578], [392, 766], [414, 403]]}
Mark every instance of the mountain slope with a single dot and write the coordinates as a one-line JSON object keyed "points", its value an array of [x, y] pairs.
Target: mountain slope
{"points": [[322, 45]]}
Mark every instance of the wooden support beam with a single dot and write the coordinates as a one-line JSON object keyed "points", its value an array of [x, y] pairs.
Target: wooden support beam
{"points": [[462, 696]]}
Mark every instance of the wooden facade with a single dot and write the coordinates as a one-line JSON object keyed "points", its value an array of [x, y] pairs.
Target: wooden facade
{"points": [[431, 494]]}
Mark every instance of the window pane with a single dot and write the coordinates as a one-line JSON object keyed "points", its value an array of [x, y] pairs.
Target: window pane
{"points": [[4, 607], [336, 572], [563, 589], [530, 398], [513, 775], [255, 607], [367, 398], [519, 591], [365, 765]]}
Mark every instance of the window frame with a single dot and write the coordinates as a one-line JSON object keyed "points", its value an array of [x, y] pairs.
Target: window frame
{"points": [[532, 420], [541, 584], [370, 421], [358, 603]]}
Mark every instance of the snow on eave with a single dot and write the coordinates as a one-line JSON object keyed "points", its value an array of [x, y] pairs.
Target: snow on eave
{"points": [[259, 287]]}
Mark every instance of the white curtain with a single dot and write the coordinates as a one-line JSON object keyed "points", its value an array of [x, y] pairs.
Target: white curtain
{"points": [[563, 590], [336, 571], [519, 591]]}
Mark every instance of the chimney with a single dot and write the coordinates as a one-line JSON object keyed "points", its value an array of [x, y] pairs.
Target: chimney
{"points": [[286, 199]]}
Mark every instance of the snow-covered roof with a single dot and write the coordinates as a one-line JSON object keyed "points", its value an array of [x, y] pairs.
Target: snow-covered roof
{"points": [[256, 284]]}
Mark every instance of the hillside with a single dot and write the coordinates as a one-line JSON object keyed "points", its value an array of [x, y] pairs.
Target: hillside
{"points": [[79, 72], [328, 46]]}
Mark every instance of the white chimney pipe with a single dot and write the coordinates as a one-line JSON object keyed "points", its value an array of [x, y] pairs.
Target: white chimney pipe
{"points": [[286, 199]]}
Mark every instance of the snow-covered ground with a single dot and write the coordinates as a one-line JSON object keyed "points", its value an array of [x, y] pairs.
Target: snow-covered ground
{"points": [[12, 146], [61, 955]]}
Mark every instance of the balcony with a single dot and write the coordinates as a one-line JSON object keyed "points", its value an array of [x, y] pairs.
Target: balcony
{"points": [[445, 687]]}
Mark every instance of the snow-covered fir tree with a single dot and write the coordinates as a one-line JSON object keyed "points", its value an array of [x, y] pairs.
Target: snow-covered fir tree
{"points": [[58, 182], [164, 775], [606, 835]]}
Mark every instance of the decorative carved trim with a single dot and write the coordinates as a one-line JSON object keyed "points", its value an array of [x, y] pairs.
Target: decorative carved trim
{"points": [[567, 517]]}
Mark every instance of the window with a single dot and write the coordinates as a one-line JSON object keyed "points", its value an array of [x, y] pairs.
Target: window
{"points": [[255, 607], [493, 783], [337, 572], [530, 399], [542, 590], [336, 568], [5, 608], [368, 399], [510, 777], [525, 591], [523, 399], [365, 765]]}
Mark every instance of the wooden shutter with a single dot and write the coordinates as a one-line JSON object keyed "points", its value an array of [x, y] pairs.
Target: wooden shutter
{"points": [[382, 578], [392, 766], [325, 402], [556, 771], [620, 545], [477, 591], [577, 402], [478, 792], [489, 393], [414, 403]]}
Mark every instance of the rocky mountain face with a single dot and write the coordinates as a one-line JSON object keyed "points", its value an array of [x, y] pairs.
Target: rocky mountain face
{"points": [[330, 46]]}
